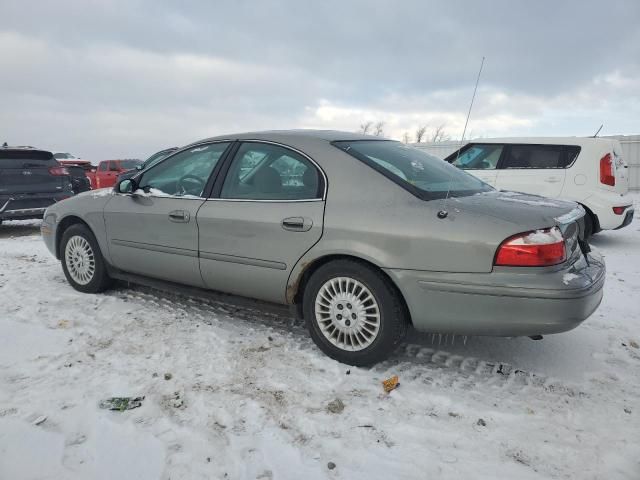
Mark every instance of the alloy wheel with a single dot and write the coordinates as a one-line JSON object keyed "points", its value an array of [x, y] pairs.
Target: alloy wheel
{"points": [[347, 313]]}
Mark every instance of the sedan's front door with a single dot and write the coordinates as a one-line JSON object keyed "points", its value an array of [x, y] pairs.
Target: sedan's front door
{"points": [[153, 232], [267, 213]]}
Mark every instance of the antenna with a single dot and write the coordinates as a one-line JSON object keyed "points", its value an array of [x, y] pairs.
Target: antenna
{"points": [[596, 134], [443, 213]]}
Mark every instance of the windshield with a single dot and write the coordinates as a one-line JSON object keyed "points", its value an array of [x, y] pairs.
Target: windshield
{"points": [[422, 174], [63, 156], [129, 163], [155, 158]]}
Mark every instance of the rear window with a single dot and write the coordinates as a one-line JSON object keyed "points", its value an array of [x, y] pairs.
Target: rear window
{"points": [[25, 158], [540, 156], [422, 174]]}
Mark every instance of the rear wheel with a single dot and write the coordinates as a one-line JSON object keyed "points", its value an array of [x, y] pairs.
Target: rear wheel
{"points": [[353, 313], [82, 261]]}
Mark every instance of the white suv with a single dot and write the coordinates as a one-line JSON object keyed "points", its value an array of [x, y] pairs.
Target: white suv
{"points": [[589, 171]]}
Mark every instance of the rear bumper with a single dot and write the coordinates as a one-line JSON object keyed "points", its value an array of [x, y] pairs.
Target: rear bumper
{"points": [[602, 203], [628, 218], [506, 302], [25, 206]]}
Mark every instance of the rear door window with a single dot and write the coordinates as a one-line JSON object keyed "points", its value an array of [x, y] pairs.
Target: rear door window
{"points": [[262, 171]]}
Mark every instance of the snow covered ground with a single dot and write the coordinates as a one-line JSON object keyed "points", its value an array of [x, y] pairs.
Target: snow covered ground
{"points": [[239, 394]]}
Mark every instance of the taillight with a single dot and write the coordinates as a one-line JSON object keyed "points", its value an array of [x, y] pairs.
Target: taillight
{"points": [[533, 249], [607, 175], [58, 171], [619, 210]]}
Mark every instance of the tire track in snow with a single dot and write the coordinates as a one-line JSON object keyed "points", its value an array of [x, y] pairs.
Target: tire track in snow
{"points": [[412, 361]]}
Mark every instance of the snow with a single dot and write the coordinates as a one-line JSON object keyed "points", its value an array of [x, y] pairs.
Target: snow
{"points": [[567, 277], [571, 216], [101, 192], [249, 391], [543, 237], [155, 192]]}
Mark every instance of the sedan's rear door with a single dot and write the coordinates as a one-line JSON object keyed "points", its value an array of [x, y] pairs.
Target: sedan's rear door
{"points": [[266, 211]]}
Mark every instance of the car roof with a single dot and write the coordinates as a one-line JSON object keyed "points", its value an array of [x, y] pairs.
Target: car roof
{"points": [[295, 136], [23, 148], [579, 141]]}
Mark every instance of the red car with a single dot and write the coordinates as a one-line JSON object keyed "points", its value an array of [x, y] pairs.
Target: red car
{"points": [[108, 170]]}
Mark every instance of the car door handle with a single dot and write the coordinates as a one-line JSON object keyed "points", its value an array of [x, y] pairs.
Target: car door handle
{"points": [[552, 180], [297, 224], [179, 216]]}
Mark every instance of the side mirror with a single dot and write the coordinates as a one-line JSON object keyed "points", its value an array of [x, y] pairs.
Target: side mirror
{"points": [[127, 186], [138, 167]]}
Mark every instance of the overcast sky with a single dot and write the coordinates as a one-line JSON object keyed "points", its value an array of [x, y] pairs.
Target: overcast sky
{"points": [[109, 79]]}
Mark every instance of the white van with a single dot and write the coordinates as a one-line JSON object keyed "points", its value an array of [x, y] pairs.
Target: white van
{"points": [[590, 171]]}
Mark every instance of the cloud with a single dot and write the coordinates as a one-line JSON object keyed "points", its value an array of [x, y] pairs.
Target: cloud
{"points": [[115, 78]]}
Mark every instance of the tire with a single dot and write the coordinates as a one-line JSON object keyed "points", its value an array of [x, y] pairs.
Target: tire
{"points": [[79, 251], [334, 290], [588, 226]]}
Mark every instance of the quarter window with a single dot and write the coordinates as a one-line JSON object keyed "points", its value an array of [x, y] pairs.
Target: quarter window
{"points": [[262, 171], [184, 174]]}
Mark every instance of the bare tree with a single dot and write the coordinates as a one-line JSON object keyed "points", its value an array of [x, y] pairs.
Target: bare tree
{"points": [[406, 138], [379, 129], [420, 131], [439, 134], [365, 127]]}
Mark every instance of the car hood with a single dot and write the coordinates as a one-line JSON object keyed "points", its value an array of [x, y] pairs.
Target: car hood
{"points": [[86, 204]]}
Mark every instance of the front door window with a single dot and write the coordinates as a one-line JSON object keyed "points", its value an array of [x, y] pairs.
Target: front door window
{"points": [[185, 173]]}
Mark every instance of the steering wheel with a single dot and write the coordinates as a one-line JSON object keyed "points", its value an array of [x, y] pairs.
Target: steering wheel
{"points": [[190, 185]]}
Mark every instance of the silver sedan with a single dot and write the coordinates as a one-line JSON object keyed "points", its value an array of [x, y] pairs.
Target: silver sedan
{"points": [[364, 236]]}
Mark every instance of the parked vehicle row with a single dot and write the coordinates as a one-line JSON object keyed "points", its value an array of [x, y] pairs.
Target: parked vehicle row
{"points": [[363, 236], [589, 171]]}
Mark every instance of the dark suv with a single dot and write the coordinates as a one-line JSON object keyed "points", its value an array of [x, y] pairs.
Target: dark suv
{"points": [[30, 181]]}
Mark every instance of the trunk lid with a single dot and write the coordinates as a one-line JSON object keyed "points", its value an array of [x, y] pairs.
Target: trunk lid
{"points": [[530, 213], [526, 211]]}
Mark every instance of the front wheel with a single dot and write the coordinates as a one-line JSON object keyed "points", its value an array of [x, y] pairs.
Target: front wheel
{"points": [[353, 313], [82, 261]]}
